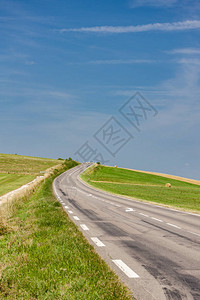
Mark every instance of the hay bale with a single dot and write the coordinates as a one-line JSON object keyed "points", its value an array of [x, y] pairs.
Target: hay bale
{"points": [[168, 185], [115, 166]]}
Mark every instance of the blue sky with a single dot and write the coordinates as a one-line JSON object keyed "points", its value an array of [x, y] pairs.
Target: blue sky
{"points": [[68, 66]]}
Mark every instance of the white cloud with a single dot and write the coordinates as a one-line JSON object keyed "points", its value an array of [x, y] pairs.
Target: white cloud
{"points": [[174, 26], [188, 51], [37, 93], [171, 137], [31, 62], [117, 61], [58, 94], [178, 97], [157, 3], [189, 61]]}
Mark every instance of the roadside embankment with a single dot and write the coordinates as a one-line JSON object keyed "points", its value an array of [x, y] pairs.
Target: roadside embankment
{"points": [[29, 187]]}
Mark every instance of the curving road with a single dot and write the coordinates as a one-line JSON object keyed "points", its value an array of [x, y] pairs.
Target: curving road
{"points": [[154, 250]]}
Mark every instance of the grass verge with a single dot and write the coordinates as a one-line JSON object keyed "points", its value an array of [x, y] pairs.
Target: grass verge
{"points": [[145, 186], [9, 182], [43, 255]]}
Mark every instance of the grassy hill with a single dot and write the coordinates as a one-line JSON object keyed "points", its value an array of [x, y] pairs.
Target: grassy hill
{"points": [[16, 170], [145, 186]]}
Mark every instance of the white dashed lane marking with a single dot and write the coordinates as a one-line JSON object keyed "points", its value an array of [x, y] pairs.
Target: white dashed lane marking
{"points": [[128, 271], [173, 225], [194, 233], [143, 215], [157, 219], [76, 218], [97, 242], [84, 227], [127, 209], [70, 211]]}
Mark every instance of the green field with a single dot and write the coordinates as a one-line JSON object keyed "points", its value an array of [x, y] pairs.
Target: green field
{"points": [[145, 187], [17, 170], [43, 255], [9, 182], [20, 164]]}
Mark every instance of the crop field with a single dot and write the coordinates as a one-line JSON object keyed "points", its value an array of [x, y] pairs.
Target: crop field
{"points": [[16, 170], [145, 186]]}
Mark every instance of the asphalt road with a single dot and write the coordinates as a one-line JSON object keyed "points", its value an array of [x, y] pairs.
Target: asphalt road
{"points": [[154, 250]]}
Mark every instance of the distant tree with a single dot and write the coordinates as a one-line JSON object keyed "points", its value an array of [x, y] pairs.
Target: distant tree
{"points": [[70, 162]]}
